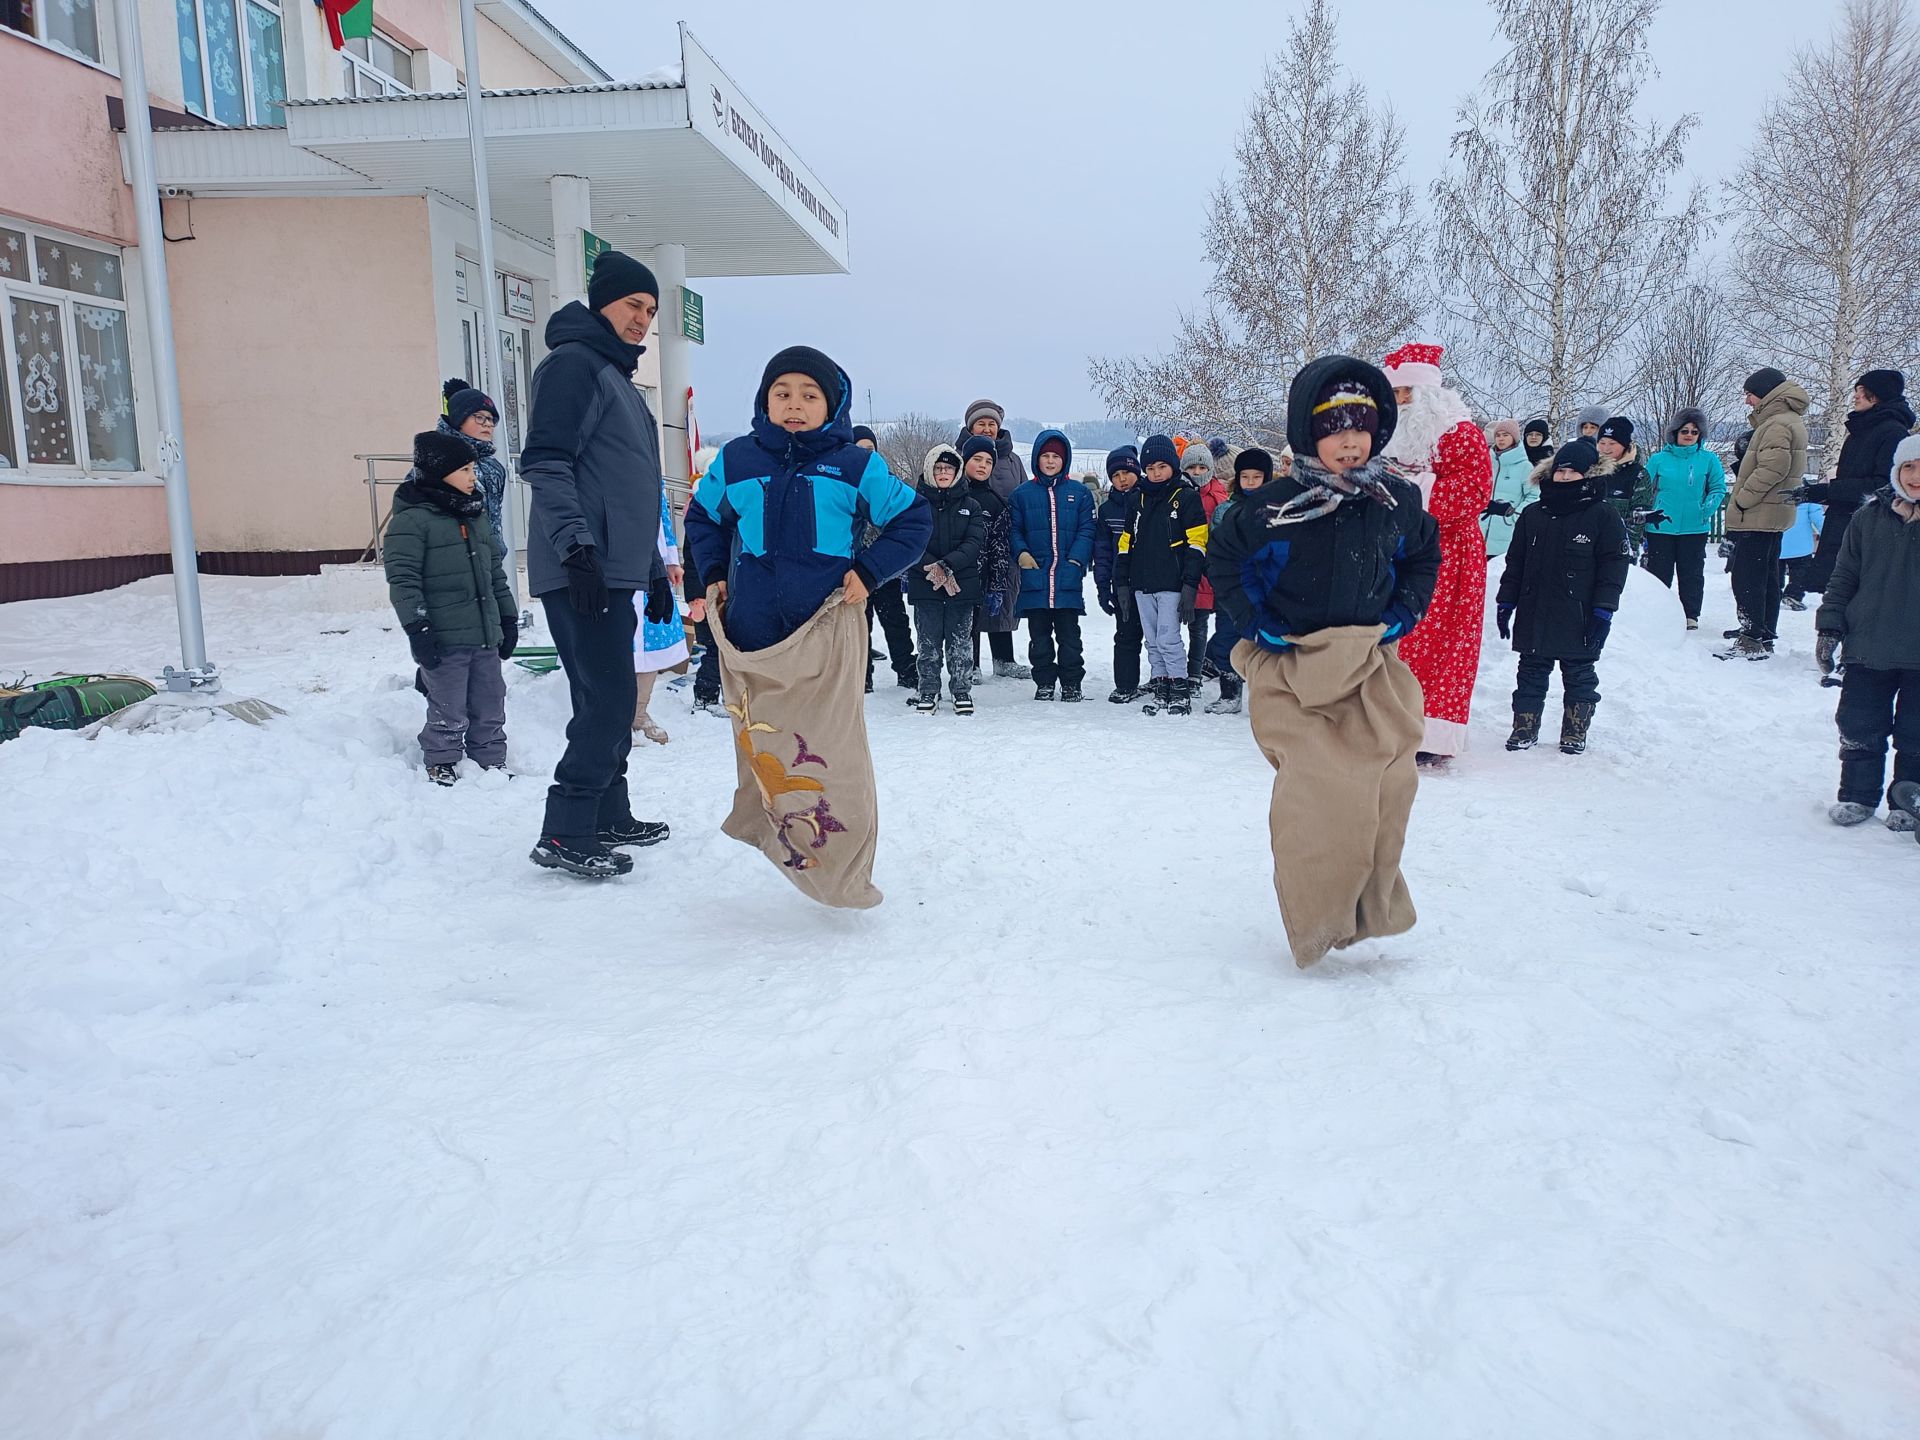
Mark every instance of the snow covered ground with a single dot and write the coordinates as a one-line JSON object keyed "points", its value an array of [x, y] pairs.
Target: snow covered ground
{"points": [[325, 1116]]}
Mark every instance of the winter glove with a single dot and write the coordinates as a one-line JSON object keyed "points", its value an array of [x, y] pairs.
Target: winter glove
{"points": [[1597, 629], [509, 636], [1189, 595], [426, 649], [1106, 599], [659, 601], [1399, 620], [586, 582], [1820, 494], [1503, 618], [1027, 562], [1123, 603], [1499, 509], [1823, 650], [1651, 517], [996, 602]]}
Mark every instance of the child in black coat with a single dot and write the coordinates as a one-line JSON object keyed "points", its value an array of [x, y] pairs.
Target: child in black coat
{"points": [[944, 587], [1566, 568]]}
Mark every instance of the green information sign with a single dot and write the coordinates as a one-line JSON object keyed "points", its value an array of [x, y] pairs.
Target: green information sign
{"points": [[594, 247], [693, 316]]}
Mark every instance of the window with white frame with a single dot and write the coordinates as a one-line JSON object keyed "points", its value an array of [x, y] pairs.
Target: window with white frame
{"points": [[66, 399], [70, 25], [233, 65], [376, 65]]}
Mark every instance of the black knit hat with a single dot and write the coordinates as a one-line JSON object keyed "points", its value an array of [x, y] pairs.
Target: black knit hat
{"points": [[1884, 385], [977, 445], [463, 402], [1316, 378], [1159, 450], [1576, 455], [1120, 459], [1253, 458], [862, 432], [807, 361], [616, 276], [1617, 427], [1536, 426], [1762, 383], [437, 454]]}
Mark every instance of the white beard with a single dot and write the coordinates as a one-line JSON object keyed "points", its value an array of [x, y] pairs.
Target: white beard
{"points": [[1431, 413]]}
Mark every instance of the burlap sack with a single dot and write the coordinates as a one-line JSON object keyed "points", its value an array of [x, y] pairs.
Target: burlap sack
{"points": [[806, 798], [1339, 717]]}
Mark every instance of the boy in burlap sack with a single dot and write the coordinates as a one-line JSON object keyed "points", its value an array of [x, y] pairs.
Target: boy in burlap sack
{"points": [[1324, 571], [794, 525]]}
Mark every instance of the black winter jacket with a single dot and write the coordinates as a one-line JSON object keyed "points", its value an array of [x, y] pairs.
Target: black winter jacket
{"points": [[1348, 567], [1110, 521], [592, 458], [1873, 599], [959, 542], [1866, 455], [1164, 548], [1569, 557]]}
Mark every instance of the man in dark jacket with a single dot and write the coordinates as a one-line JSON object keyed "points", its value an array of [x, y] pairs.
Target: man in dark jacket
{"points": [[1881, 418], [592, 460], [1110, 522]]}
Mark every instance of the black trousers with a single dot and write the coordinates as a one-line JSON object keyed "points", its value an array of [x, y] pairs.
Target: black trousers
{"points": [[890, 604], [1875, 706], [1128, 641], [706, 680], [1797, 576], [1197, 644], [1579, 683], [1687, 555], [589, 788], [1833, 529], [1756, 583], [1054, 649]]}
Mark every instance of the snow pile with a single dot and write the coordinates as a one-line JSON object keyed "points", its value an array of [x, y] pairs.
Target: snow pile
{"points": [[323, 1113]]}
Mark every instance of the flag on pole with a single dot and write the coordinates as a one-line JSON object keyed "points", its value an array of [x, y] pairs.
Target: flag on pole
{"points": [[347, 20]]}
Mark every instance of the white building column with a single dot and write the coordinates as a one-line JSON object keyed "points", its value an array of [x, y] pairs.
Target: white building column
{"points": [[669, 264], [572, 213]]}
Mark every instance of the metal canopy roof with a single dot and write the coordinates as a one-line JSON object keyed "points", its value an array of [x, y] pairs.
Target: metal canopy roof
{"points": [[691, 163]]}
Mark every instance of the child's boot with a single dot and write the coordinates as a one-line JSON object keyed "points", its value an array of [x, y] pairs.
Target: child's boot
{"points": [[1848, 813], [963, 704], [1905, 797], [1157, 698], [1526, 730], [1575, 721], [1179, 697], [1227, 704]]}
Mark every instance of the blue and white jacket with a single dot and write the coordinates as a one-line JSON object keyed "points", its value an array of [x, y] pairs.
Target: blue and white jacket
{"points": [[1053, 522], [781, 516]]}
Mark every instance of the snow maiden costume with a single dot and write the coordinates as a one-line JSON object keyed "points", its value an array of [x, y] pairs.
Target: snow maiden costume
{"points": [[657, 645], [1439, 448]]}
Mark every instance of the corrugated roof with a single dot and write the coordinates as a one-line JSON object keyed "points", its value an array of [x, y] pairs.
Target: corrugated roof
{"points": [[608, 89]]}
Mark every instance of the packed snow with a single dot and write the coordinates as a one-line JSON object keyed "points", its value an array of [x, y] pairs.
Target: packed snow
{"points": [[323, 1114]]}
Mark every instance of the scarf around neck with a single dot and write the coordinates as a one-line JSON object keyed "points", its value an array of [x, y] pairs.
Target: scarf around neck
{"points": [[1324, 492]]}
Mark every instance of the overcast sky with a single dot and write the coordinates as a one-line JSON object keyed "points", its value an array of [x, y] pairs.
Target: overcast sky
{"points": [[1026, 180]]}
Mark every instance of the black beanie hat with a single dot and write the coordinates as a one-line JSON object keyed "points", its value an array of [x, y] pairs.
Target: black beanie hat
{"points": [[1620, 428], [1253, 458], [807, 361], [1576, 455], [977, 445], [616, 276], [1218, 447], [1159, 450], [1884, 385], [1120, 459], [863, 432], [463, 402], [1764, 382], [437, 454], [1536, 426]]}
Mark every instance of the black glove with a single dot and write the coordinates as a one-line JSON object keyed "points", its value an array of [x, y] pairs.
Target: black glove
{"points": [[1823, 650], [1503, 618], [1123, 602], [1503, 509], [509, 636], [659, 601], [1821, 494], [426, 649], [586, 582], [1188, 596], [1598, 626], [1106, 600], [1652, 517]]}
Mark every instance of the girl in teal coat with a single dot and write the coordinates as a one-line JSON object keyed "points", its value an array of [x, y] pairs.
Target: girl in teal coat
{"points": [[1689, 487], [1512, 485]]}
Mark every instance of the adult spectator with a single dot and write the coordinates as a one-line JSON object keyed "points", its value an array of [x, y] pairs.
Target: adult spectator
{"points": [[1513, 488], [1881, 418], [1759, 511], [995, 618], [1689, 487], [1588, 423], [889, 603], [592, 459]]}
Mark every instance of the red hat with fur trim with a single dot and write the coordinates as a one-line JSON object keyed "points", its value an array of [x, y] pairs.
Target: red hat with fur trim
{"points": [[1415, 364]]}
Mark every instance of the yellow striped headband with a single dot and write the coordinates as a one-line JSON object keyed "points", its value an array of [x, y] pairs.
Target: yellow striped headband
{"points": [[1344, 399]]}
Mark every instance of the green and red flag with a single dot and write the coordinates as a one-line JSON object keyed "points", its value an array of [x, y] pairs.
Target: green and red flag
{"points": [[347, 20]]}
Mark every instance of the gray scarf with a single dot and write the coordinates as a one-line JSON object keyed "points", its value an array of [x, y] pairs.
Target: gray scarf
{"points": [[1326, 492]]}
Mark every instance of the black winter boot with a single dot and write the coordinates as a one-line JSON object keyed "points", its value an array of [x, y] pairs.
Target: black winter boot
{"points": [[596, 863], [1158, 696], [1180, 696], [1575, 721], [1526, 730], [1905, 798]]}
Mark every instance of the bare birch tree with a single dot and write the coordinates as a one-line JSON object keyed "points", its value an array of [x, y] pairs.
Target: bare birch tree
{"points": [[1315, 246], [904, 443], [1828, 251], [1685, 354], [1553, 236]]}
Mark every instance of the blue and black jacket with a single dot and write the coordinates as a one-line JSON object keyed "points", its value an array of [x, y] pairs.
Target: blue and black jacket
{"points": [[780, 515], [1053, 522]]}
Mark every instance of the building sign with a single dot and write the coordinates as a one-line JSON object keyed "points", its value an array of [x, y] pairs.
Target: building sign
{"points": [[693, 316], [517, 297], [460, 281], [594, 247], [717, 110]]}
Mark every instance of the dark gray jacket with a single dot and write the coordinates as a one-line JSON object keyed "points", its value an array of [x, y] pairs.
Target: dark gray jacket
{"points": [[592, 458], [1874, 595]]}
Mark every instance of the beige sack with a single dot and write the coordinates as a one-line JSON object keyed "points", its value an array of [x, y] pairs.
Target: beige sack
{"points": [[806, 798], [1339, 717]]}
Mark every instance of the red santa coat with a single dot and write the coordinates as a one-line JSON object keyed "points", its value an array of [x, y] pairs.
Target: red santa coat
{"points": [[1444, 650]]}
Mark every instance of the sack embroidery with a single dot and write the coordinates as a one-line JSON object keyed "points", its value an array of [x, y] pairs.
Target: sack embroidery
{"points": [[815, 823]]}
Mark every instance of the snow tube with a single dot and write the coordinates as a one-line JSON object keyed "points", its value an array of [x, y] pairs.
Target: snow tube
{"points": [[68, 702]]}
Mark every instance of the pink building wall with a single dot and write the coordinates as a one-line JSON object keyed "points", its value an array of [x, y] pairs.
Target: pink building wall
{"points": [[60, 164]]}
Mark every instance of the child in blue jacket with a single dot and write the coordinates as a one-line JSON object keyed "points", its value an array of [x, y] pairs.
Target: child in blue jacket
{"points": [[1053, 528], [775, 522]]}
